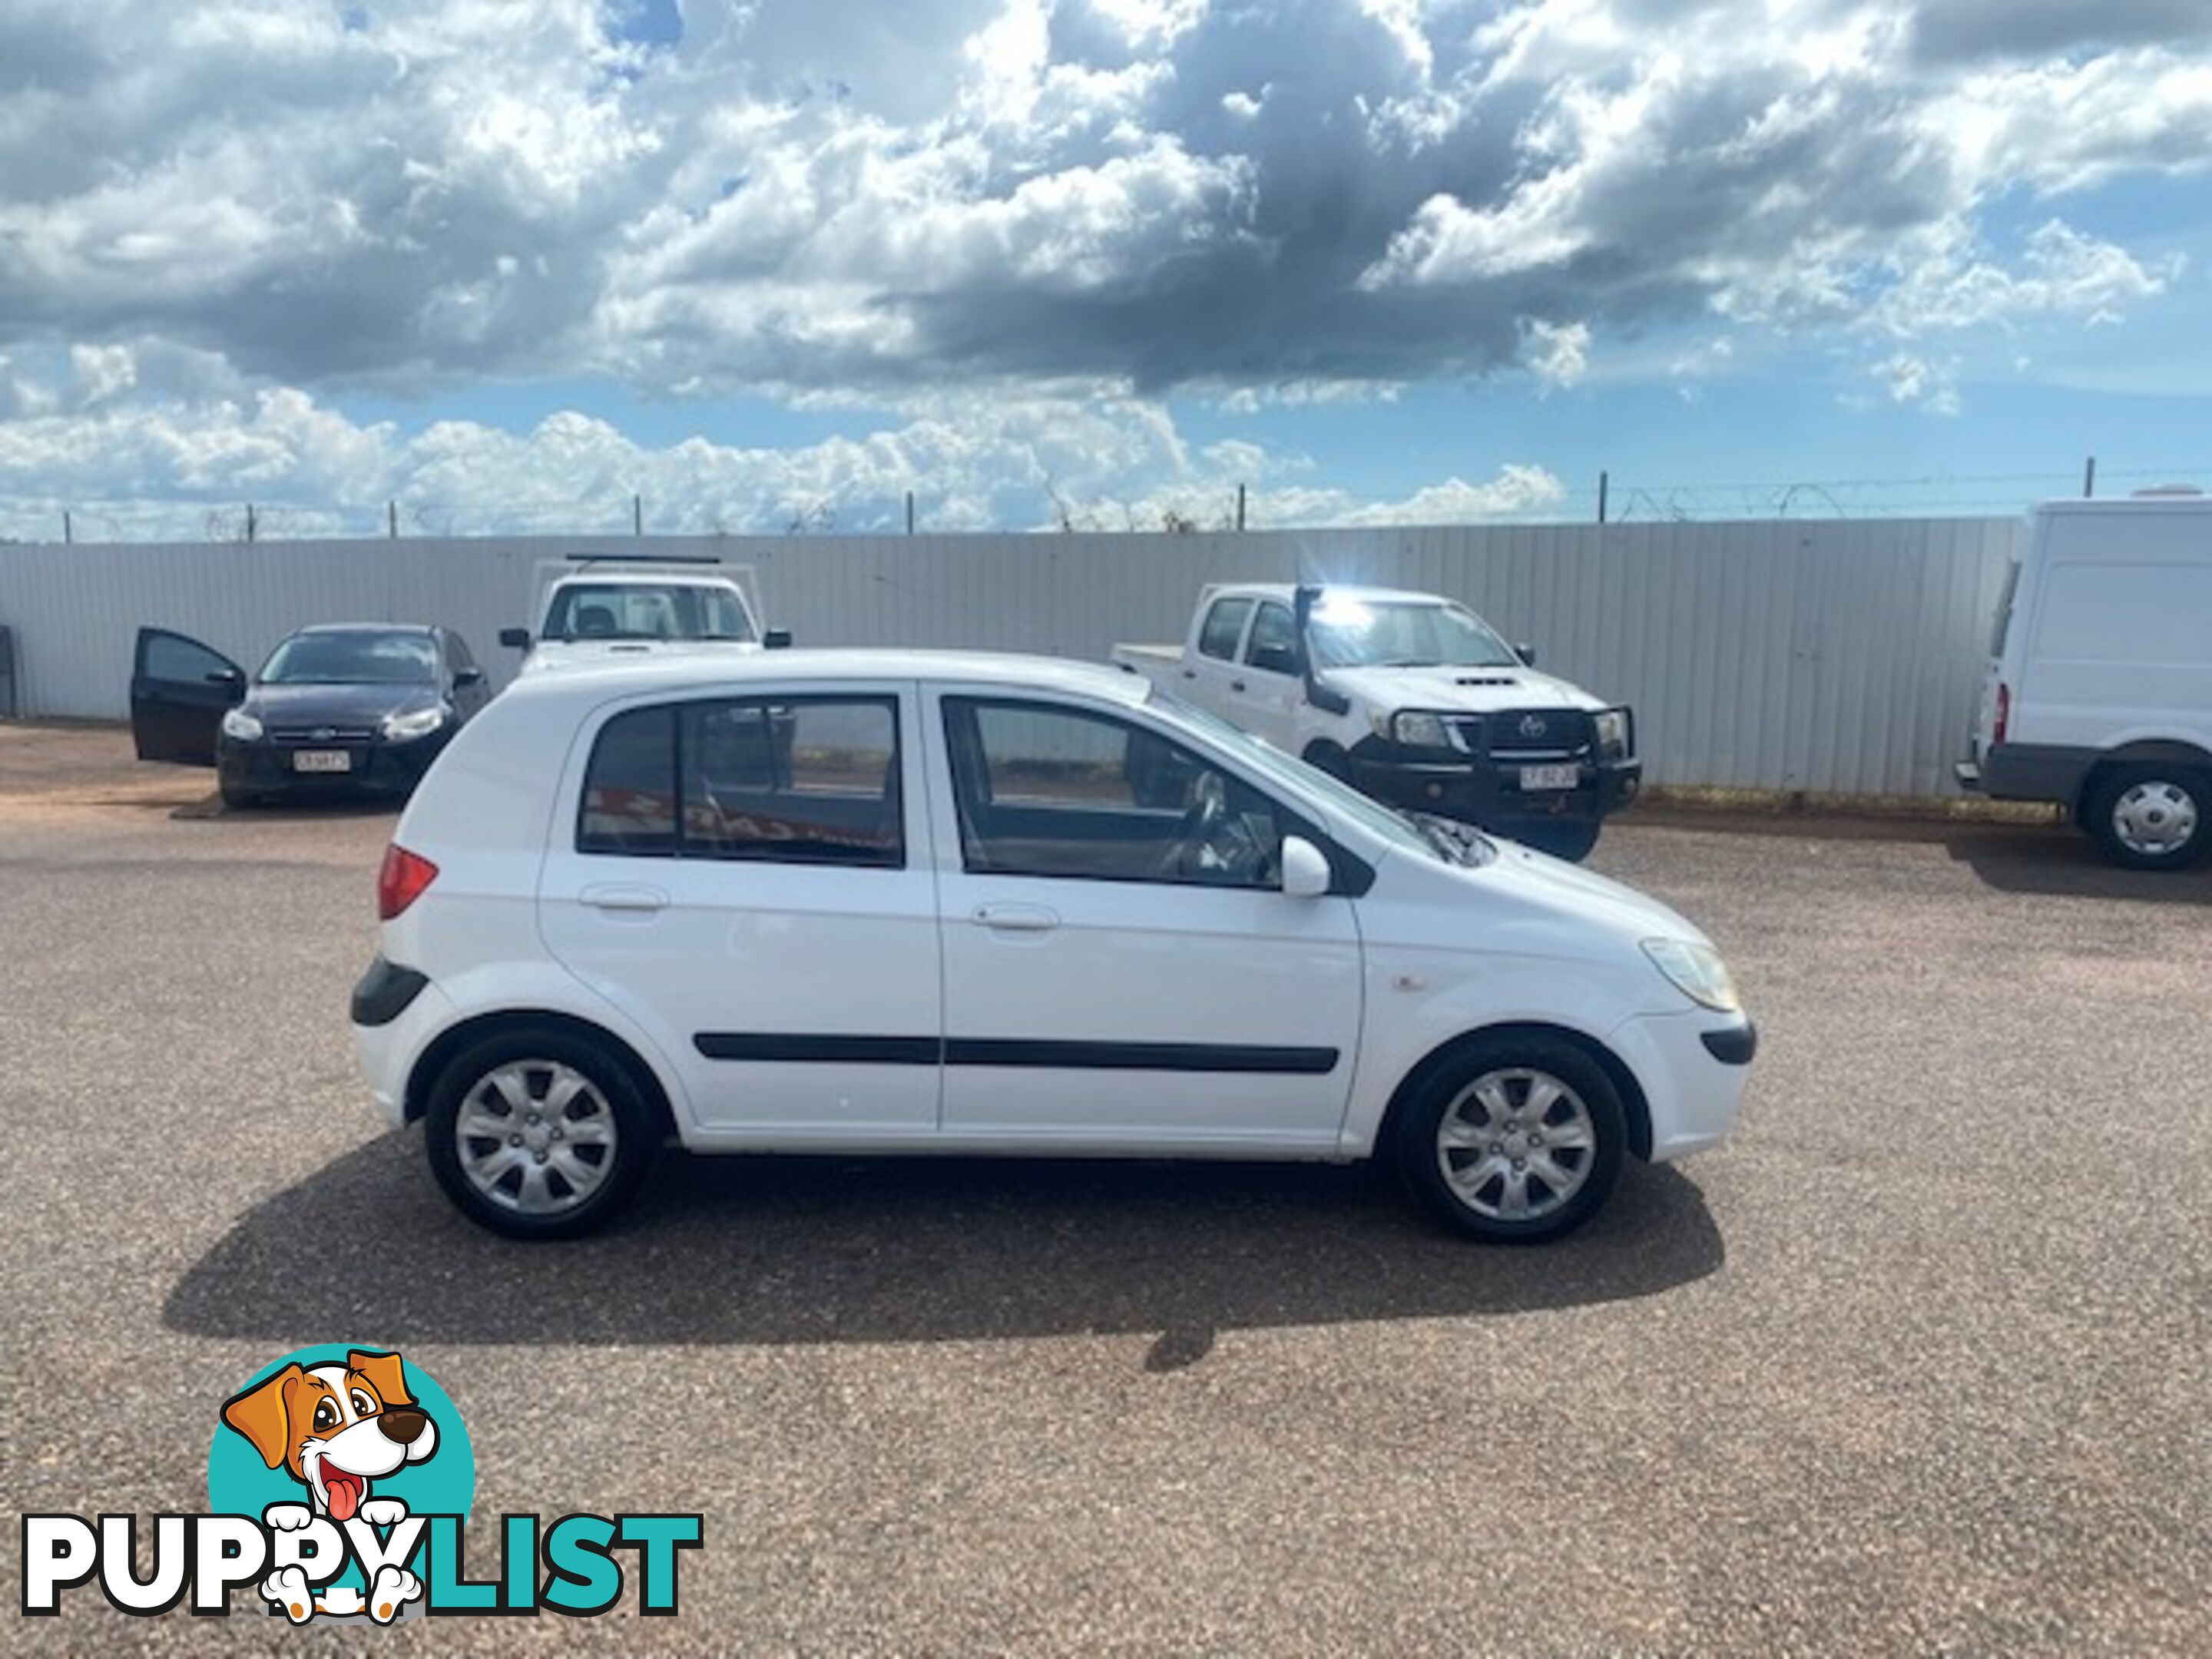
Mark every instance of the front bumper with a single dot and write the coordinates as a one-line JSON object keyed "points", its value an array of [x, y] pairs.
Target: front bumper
{"points": [[376, 768], [1488, 792], [1693, 1068]]}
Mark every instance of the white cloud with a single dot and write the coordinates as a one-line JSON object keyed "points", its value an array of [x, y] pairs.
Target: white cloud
{"points": [[1915, 382], [1558, 353]]}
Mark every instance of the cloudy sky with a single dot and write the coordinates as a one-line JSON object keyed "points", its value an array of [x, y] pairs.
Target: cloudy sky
{"points": [[773, 264]]}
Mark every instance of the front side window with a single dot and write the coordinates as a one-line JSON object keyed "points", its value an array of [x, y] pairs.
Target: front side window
{"points": [[1049, 791], [1274, 645], [1225, 626], [793, 780], [170, 657]]}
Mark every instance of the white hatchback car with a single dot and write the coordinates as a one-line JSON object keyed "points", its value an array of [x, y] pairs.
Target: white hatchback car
{"points": [[883, 903]]}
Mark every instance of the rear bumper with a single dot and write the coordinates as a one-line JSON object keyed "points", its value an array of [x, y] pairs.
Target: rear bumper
{"points": [[2029, 771], [389, 1051], [1489, 793]]}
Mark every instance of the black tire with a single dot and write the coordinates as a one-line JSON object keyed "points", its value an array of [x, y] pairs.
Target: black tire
{"points": [[1478, 1206], [1562, 838], [2129, 810], [537, 1054]]}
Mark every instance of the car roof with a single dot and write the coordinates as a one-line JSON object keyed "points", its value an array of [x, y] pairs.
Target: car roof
{"points": [[692, 671], [366, 627], [618, 576], [1287, 592]]}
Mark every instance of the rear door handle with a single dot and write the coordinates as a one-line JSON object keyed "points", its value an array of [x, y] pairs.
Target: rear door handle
{"points": [[1016, 918], [1190, 673], [627, 901], [1236, 685]]}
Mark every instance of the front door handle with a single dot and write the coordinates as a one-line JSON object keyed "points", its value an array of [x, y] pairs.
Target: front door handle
{"points": [[1016, 918], [627, 901], [1236, 685]]}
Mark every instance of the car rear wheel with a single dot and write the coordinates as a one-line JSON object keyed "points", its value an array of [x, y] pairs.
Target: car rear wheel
{"points": [[2150, 816], [1515, 1140], [537, 1133]]}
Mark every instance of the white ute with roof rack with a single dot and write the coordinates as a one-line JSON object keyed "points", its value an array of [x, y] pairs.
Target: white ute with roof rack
{"points": [[602, 607], [1411, 699]]}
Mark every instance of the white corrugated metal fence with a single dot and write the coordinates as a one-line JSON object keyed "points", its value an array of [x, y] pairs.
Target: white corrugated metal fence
{"points": [[1836, 657]]}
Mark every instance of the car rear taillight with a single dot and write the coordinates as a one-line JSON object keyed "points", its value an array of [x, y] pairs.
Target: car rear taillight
{"points": [[401, 880], [2004, 712]]}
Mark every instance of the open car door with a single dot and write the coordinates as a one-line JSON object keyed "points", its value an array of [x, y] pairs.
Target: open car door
{"points": [[179, 692]]}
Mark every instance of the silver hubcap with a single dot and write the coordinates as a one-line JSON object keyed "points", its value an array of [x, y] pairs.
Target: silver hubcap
{"points": [[2155, 819], [1516, 1145], [536, 1136]]}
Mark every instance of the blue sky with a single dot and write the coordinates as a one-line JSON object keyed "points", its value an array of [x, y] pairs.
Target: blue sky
{"points": [[774, 265]]}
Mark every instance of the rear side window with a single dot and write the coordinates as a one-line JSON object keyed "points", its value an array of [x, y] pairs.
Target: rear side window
{"points": [[629, 791], [797, 780], [1225, 626]]}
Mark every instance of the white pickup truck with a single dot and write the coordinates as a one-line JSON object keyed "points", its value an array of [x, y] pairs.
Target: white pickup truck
{"points": [[1409, 698], [611, 607]]}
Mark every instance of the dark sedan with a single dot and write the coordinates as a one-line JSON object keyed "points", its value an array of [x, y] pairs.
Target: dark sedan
{"points": [[345, 708]]}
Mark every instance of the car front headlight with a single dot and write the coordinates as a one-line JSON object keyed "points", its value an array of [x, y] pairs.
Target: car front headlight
{"points": [[420, 723], [1697, 971], [1613, 733], [241, 726], [1416, 730]]}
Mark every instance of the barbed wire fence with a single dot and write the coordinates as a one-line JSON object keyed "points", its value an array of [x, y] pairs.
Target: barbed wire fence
{"points": [[1214, 508]]}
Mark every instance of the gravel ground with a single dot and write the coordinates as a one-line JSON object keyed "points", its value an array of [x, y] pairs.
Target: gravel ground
{"points": [[1919, 1362]]}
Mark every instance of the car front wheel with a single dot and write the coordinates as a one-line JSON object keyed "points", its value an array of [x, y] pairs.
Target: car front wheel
{"points": [[1514, 1140], [537, 1133], [2150, 816]]}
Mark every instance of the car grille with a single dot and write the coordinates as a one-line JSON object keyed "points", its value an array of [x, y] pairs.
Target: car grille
{"points": [[1526, 735], [309, 737]]}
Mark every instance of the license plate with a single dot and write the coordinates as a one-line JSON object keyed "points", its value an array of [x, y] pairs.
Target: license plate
{"points": [[322, 760], [1550, 777]]}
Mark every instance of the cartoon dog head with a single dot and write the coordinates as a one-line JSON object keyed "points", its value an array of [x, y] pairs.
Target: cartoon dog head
{"points": [[336, 1428]]}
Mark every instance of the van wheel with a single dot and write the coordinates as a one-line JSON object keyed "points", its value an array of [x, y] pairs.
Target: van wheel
{"points": [[1515, 1140], [538, 1133], [2150, 816]]}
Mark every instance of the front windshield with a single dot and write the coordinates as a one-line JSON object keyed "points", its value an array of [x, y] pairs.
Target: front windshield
{"points": [[646, 611], [353, 660], [1350, 633], [1400, 831]]}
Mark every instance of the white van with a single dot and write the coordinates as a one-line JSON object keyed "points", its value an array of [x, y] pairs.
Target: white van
{"points": [[2098, 693]]}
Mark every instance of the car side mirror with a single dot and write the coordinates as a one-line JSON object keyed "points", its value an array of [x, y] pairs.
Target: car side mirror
{"points": [[515, 638], [465, 678], [1306, 874], [1527, 653], [776, 639], [1275, 660], [227, 676]]}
